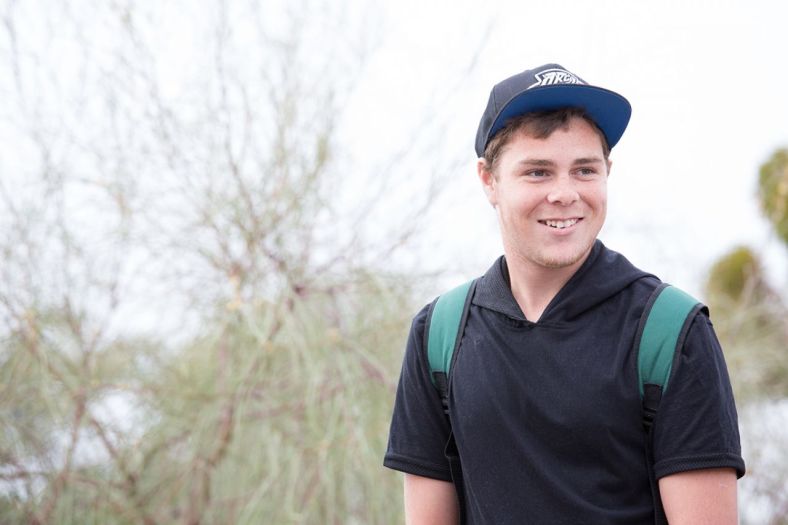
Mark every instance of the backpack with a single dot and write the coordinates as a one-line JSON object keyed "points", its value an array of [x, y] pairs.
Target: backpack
{"points": [[661, 331]]}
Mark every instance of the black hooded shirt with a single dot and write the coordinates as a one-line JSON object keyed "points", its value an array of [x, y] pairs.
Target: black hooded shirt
{"points": [[547, 415]]}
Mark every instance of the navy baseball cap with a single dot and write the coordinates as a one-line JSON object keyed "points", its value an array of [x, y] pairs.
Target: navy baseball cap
{"points": [[551, 87]]}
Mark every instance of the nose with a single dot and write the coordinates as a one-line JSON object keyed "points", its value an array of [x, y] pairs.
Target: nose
{"points": [[563, 192]]}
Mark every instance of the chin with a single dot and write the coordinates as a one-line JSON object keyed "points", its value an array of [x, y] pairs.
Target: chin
{"points": [[557, 263], [564, 260]]}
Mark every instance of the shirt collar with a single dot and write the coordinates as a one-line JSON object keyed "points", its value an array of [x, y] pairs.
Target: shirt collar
{"points": [[494, 291]]}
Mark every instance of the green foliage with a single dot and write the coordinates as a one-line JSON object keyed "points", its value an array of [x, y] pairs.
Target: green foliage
{"points": [[750, 320], [750, 316], [285, 410], [773, 191], [276, 412], [735, 276]]}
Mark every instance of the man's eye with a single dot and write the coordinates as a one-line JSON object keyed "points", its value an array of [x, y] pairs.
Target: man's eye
{"points": [[537, 173], [586, 171]]}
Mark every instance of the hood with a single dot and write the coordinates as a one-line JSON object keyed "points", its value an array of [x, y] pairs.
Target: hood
{"points": [[603, 274]]}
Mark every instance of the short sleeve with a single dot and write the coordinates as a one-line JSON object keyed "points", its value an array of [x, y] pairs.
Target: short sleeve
{"points": [[697, 425], [419, 428]]}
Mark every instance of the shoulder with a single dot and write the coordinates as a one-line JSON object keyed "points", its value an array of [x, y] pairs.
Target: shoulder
{"points": [[418, 328], [420, 319], [697, 425]]}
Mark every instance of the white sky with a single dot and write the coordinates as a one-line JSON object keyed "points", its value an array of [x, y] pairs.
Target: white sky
{"points": [[707, 82], [706, 79]]}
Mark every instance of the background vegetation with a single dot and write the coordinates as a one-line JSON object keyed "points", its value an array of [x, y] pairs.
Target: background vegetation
{"points": [[196, 325], [751, 319], [194, 328]]}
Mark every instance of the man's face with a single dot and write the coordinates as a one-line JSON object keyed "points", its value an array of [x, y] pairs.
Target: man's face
{"points": [[550, 195]]}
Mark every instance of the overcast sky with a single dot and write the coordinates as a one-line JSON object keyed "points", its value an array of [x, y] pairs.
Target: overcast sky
{"points": [[706, 79], [707, 82]]}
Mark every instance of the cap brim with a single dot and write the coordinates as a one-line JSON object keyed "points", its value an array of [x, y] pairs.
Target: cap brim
{"points": [[608, 109]]}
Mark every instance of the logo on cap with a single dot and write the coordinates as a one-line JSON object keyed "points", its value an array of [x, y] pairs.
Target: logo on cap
{"points": [[551, 77]]}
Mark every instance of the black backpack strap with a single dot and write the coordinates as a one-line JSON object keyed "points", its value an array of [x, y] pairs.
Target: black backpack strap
{"points": [[660, 336]]}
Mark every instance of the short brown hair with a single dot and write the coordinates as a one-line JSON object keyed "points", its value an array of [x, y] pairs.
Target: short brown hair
{"points": [[540, 124]]}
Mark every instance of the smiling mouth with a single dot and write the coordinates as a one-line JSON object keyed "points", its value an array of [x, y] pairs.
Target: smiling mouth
{"points": [[560, 225]]}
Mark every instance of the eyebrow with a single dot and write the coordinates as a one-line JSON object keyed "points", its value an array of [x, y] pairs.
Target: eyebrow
{"points": [[546, 162], [588, 160]]}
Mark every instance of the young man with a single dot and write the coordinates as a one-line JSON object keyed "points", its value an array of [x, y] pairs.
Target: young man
{"points": [[543, 406]]}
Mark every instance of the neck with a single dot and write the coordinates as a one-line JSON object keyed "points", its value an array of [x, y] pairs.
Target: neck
{"points": [[534, 286]]}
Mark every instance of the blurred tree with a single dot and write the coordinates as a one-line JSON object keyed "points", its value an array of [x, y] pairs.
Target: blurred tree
{"points": [[773, 191], [737, 277], [751, 315], [196, 325], [751, 320]]}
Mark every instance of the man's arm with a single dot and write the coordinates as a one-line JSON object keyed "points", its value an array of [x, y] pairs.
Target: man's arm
{"points": [[700, 497], [430, 501]]}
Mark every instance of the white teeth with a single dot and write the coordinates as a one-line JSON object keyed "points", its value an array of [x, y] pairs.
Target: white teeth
{"points": [[561, 224]]}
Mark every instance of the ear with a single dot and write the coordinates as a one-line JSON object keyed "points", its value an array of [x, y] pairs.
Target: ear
{"points": [[487, 178], [609, 165]]}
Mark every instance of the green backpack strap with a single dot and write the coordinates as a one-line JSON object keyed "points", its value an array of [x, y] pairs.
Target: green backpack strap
{"points": [[662, 330], [663, 327], [446, 324]]}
